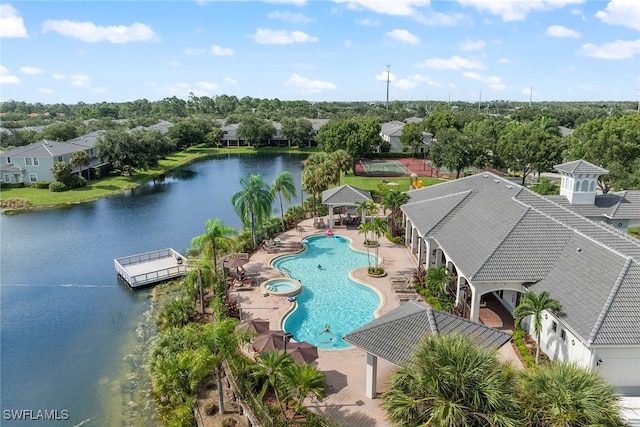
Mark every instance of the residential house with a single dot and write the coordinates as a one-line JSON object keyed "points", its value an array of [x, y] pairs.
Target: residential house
{"points": [[33, 162], [500, 240], [390, 132]]}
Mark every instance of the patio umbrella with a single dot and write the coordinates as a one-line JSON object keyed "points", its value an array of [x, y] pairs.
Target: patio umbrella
{"points": [[302, 352], [254, 325], [269, 341], [236, 262]]}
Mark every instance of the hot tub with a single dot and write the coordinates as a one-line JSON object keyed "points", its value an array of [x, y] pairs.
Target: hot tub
{"points": [[282, 286]]}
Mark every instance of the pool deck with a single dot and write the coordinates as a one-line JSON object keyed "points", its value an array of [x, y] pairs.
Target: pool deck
{"points": [[345, 370]]}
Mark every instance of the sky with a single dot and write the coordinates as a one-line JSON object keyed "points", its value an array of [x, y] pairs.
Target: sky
{"points": [[320, 50]]}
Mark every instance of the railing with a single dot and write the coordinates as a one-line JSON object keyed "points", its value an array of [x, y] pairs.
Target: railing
{"points": [[147, 256]]}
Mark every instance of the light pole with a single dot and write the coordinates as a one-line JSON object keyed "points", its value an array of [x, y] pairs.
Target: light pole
{"points": [[286, 337]]}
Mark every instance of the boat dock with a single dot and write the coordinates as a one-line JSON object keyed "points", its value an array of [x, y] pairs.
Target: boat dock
{"points": [[151, 267]]}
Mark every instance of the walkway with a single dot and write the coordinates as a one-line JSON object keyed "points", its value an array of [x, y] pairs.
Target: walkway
{"points": [[345, 370]]}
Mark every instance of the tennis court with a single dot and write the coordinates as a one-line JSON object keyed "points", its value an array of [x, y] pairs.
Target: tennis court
{"points": [[384, 167]]}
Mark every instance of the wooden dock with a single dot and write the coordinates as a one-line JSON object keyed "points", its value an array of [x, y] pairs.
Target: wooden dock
{"points": [[151, 267]]}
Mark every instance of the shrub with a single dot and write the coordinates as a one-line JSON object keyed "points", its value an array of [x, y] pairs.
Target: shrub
{"points": [[634, 231], [210, 408], [57, 187], [228, 422], [42, 185]]}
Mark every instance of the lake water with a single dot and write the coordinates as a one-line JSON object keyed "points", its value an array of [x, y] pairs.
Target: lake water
{"points": [[70, 333]]}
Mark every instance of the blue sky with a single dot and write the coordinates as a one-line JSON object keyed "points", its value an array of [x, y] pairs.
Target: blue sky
{"points": [[320, 50]]}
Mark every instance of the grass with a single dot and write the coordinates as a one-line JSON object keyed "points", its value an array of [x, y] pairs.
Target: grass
{"points": [[371, 183]]}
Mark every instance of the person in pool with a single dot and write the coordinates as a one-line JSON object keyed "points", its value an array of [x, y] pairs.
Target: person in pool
{"points": [[319, 267], [326, 330]]}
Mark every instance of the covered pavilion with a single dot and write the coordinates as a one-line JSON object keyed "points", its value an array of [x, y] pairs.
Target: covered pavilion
{"points": [[344, 195]]}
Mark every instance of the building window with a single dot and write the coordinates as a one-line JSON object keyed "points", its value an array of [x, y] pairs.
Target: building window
{"points": [[36, 162], [563, 335], [554, 327], [7, 177], [28, 162], [60, 159], [33, 177], [9, 160]]}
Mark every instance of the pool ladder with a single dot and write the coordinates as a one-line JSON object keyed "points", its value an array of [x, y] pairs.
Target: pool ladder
{"points": [[287, 272]]}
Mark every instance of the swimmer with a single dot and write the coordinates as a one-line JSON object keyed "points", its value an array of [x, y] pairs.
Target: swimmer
{"points": [[326, 330], [319, 267]]}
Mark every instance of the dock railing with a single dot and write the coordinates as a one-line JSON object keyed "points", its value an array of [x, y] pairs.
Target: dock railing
{"points": [[180, 267]]}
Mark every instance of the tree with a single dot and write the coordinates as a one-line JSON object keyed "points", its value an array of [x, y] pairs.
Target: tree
{"points": [[273, 365], [253, 203], [214, 137], [456, 150], [379, 227], [318, 173], [304, 380], [285, 188], [366, 208], [533, 305], [451, 381], [563, 394], [411, 137], [61, 131], [358, 136], [343, 162], [297, 131], [255, 131], [186, 134], [439, 120], [392, 200], [80, 159], [130, 150], [62, 173], [217, 237]]}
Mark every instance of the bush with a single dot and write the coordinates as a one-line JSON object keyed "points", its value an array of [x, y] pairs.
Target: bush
{"points": [[12, 185], [634, 231], [228, 422], [57, 187], [210, 408], [42, 185]]}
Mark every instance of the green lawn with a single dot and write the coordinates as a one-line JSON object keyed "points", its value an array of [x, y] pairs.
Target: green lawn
{"points": [[371, 183]]}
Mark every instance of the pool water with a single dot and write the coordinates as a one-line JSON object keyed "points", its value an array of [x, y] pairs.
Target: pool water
{"points": [[329, 297], [281, 286]]}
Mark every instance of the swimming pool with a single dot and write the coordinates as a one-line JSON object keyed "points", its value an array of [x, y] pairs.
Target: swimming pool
{"points": [[329, 297]]}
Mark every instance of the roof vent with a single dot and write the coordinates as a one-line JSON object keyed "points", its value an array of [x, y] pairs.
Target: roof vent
{"points": [[509, 187], [484, 175], [497, 181], [579, 250]]}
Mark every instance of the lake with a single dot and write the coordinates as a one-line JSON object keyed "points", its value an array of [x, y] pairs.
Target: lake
{"points": [[71, 335]]}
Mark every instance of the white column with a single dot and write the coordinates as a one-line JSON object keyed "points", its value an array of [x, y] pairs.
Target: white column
{"points": [[429, 248], [475, 305], [407, 231], [420, 251], [330, 216], [438, 257], [372, 376]]}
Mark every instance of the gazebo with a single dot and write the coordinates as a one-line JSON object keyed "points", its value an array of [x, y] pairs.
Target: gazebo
{"points": [[344, 195], [395, 335]]}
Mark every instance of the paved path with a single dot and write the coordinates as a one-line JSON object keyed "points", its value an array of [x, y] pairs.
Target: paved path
{"points": [[345, 369]]}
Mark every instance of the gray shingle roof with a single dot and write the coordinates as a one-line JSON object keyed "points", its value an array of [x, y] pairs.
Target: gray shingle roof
{"points": [[345, 195], [395, 335], [580, 167], [502, 232]]}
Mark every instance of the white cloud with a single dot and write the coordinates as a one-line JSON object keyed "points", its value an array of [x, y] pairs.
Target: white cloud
{"points": [[293, 2], [207, 86], [221, 51], [413, 81], [621, 12], [403, 36], [294, 18], [58, 76], [473, 45], [504, 61], [396, 7], [619, 49], [368, 22], [454, 63], [560, 31], [267, 36], [92, 33], [174, 63], [31, 70], [11, 24], [405, 84], [494, 82], [305, 85], [194, 51], [383, 76], [230, 80], [7, 78], [80, 79], [516, 10], [45, 90]]}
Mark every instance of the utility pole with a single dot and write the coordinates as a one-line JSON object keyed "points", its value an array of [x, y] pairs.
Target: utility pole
{"points": [[388, 66], [479, 100], [530, 95]]}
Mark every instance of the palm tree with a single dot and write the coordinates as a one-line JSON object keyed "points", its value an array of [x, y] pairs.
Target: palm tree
{"points": [[392, 200], [365, 228], [533, 305], [217, 237], [203, 272], [315, 179], [253, 203], [272, 365], [79, 159], [563, 394], [452, 382], [304, 380], [378, 227], [366, 207], [343, 161], [223, 342], [286, 189]]}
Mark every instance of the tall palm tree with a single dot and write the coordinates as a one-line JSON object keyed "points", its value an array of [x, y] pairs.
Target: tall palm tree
{"points": [[253, 203], [365, 228], [202, 273], [533, 305], [272, 365], [286, 189], [79, 159], [562, 394], [343, 162], [452, 382], [379, 227], [366, 207], [223, 342], [217, 237], [315, 179], [304, 380], [392, 200]]}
